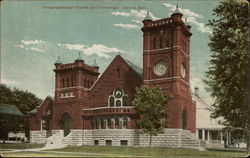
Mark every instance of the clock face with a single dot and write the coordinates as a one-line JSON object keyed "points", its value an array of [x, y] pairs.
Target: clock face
{"points": [[183, 70], [160, 68]]}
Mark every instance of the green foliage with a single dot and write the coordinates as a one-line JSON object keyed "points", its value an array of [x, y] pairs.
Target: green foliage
{"points": [[227, 75], [25, 101], [151, 107]]}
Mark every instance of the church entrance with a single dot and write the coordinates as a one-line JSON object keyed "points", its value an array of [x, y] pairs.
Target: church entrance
{"points": [[66, 123]]}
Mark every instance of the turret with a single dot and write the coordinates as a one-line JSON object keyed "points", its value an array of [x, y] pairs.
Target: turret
{"points": [[177, 15]]}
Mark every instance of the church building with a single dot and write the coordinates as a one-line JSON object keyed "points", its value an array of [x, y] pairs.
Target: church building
{"points": [[93, 109]]}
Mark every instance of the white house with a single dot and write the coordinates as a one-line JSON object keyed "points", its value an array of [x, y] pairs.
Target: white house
{"points": [[207, 129]]}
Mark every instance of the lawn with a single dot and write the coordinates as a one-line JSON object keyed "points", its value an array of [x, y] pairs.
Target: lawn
{"points": [[154, 151], [111, 151]]}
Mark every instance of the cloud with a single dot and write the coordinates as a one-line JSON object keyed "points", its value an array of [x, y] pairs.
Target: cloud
{"points": [[126, 26], [120, 13], [136, 17], [78, 47], [96, 49], [34, 45], [192, 17], [201, 27], [185, 12]]}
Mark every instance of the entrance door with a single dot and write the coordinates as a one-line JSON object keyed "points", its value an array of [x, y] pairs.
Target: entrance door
{"points": [[66, 123]]}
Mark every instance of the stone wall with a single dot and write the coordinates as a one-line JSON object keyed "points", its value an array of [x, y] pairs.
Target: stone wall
{"points": [[38, 136], [75, 137]]}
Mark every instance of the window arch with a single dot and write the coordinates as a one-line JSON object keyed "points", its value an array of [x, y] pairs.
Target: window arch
{"points": [[184, 119]]}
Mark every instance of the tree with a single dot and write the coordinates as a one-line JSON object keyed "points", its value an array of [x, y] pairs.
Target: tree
{"points": [[24, 100], [151, 109], [227, 75]]}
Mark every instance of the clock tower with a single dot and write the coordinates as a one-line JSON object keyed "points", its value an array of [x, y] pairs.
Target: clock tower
{"points": [[166, 59]]}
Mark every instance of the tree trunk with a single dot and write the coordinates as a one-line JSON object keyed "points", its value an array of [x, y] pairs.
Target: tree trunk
{"points": [[150, 140]]}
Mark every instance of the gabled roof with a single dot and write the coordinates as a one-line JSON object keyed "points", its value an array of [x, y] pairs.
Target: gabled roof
{"points": [[136, 68], [10, 109], [35, 109]]}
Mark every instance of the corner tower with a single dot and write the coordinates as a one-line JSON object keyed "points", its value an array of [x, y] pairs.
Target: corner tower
{"points": [[166, 58]]}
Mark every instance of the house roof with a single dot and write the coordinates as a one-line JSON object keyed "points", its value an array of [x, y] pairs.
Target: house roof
{"points": [[10, 109]]}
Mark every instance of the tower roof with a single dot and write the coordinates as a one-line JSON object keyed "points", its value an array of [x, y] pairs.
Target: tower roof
{"points": [[58, 61], [79, 58], [147, 17], [177, 11]]}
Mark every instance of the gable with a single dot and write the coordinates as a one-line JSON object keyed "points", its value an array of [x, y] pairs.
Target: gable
{"points": [[119, 74]]}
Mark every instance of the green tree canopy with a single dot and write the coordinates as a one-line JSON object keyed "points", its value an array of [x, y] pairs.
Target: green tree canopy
{"points": [[151, 108], [227, 75], [25, 101]]}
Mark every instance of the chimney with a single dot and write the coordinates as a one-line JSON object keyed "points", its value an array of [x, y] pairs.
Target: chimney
{"points": [[196, 91]]}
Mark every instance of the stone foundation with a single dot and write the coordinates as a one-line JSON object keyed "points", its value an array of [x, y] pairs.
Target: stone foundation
{"points": [[175, 138], [38, 137]]}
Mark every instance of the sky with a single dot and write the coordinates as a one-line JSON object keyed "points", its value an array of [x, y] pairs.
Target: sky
{"points": [[35, 33]]}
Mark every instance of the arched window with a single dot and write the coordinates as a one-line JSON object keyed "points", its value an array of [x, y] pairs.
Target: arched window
{"points": [[125, 123], [102, 123], [63, 83], [111, 101], [109, 123], [95, 123], [72, 82], [184, 119], [116, 122], [125, 100]]}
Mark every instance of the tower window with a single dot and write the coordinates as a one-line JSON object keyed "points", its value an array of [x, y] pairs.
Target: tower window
{"points": [[161, 42], [63, 83], [154, 43], [72, 82], [85, 82], [67, 82]]}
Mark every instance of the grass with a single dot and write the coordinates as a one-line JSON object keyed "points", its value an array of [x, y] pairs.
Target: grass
{"points": [[20, 146], [146, 151]]}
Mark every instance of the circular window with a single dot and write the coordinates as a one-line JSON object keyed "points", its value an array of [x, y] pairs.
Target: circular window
{"points": [[160, 68]]}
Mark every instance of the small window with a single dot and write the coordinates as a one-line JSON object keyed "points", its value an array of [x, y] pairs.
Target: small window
{"points": [[125, 122], [95, 123], [96, 142], [72, 82], [118, 72], [109, 123], [200, 134], [116, 122], [63, 83], [108, 142], [124, 142]]}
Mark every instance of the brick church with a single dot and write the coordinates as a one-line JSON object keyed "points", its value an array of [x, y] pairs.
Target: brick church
{"points": [[93, 109]]}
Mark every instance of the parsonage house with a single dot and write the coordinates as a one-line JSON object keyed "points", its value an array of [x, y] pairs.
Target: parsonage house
{"points": [[93, 109]]}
